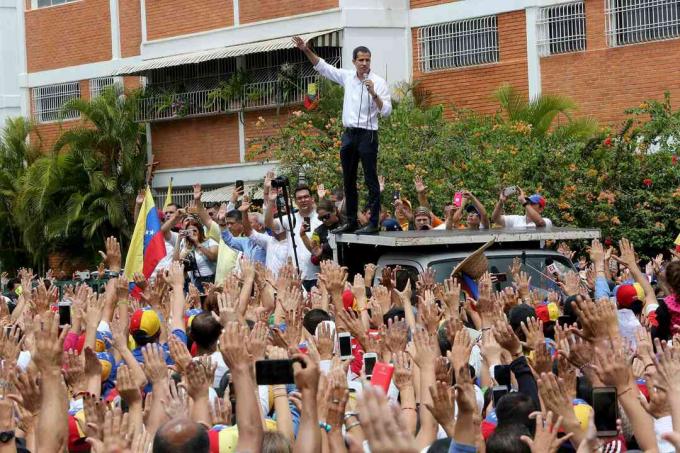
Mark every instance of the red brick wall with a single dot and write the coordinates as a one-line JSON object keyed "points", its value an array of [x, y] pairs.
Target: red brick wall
{"points": [[166, 18], [130, 27], [605, 81], [473, 87], [257, 10], [67, 35], [196, 142], [424, 3]]}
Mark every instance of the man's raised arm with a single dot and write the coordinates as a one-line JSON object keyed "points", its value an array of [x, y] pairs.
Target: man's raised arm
{"points": [[328, 71]]}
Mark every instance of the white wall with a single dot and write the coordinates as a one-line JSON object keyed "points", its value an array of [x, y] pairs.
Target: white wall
{"points": [[10, 93], [389, 51]]}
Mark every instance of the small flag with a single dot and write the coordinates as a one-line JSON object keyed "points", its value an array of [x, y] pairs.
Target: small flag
{"points": [[311, 98], [469, 286], [168, 196]]}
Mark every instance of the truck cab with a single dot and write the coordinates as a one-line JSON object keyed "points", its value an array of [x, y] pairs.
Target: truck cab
{"points": [[415, 251]]}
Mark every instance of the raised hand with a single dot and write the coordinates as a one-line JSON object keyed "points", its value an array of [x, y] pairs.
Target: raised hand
{"points": [[545, 440], [112, 257]]}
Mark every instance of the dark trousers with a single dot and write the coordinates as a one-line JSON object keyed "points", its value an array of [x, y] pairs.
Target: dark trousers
{"points": [[360, 145]]}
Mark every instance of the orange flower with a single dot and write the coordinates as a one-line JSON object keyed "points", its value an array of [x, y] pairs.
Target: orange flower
{"points": [[615, 220]]}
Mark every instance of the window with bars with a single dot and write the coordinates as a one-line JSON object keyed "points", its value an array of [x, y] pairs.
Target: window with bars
{"points": [[561, 29], [636, 21], [48, 101], [45, 3], [468, 42], [97, 85]]}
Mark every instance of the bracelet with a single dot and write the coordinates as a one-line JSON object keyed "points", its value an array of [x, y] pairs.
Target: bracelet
{"points": [[353, 425], [585, 365], [408, 408], [325, 426], [279, 395], [349, 415], [123, 302], [648, 365]]}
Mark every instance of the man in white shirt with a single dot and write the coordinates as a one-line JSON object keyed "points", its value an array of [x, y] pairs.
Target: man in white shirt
{"points": [[366, 96], [533, 208]]}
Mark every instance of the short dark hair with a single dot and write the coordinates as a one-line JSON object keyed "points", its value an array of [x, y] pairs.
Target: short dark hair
{"points": [[234, 214], [362, 49], [171, 204], [205, 330], [327, 205], [394, 312], [302, 187], [313, 318], [515, 408], [506, 439], [199, 442]]}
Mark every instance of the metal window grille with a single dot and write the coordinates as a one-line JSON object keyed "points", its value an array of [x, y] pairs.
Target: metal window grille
{"points": [[561, 29], [45, 3], [48, 101], [98, 85], [636, 21], [455, 44]]}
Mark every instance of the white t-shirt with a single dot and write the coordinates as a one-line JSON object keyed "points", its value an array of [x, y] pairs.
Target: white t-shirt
{"points": [[308, 270], [169, 253], [521, 221], [206, 268], [443, 227], [277, 251], [220, 371]]}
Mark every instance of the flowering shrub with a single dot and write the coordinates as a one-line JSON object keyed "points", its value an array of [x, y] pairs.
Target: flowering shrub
{"points": [[625, 182]]}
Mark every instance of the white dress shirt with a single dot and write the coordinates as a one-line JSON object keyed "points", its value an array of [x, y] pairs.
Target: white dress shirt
{"points": [[277, 251], [358, 108]]}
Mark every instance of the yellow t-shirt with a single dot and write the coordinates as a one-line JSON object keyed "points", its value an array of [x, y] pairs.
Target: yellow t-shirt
{"points": [[226, 256]]}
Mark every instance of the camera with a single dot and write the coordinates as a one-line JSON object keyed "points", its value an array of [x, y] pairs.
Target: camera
{"points": [[280, 181], [189, 262]]}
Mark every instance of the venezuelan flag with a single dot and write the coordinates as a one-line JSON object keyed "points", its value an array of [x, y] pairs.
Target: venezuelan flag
{"points": [[147, 246], [168, 195]]}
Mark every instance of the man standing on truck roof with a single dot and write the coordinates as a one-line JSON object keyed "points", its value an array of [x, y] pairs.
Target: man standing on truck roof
{"points": [[533, 208], [366, 96]]}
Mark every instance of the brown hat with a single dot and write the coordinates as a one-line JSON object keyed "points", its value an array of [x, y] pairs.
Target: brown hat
{"points": [[476, 264]]}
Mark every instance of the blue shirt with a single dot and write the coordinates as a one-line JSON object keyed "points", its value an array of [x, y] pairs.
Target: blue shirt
{"points": [[461, 448], [250, 249], [137, 352]]}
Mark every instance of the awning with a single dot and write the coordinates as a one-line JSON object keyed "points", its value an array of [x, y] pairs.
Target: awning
{"points": [[223, 194], [327, 38]]}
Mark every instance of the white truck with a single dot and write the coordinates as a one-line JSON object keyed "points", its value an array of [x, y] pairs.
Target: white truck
{"points": [[415, 251]]}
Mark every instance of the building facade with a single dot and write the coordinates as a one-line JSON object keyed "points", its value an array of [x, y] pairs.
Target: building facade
{"points": [[211, 70]]}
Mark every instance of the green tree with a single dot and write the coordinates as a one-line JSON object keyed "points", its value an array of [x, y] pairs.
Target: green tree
{"points": [[540, 113], [16, 154], [84, 189]]}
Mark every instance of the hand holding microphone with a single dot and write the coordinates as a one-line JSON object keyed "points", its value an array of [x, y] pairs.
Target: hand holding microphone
{"points": [[369, 85]]}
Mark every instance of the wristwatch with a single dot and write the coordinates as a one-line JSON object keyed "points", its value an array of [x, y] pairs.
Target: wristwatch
{"points": [[6, 436]]}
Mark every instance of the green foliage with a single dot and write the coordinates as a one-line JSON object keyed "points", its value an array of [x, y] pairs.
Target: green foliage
{"points": [[590, 177], [83, 189]]}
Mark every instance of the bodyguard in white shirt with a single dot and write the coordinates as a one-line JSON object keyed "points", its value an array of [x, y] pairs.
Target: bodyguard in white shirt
{"points": [[366, 96]]}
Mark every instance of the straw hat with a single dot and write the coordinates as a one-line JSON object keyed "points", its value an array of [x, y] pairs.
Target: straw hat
{"points": [[476, 264]]}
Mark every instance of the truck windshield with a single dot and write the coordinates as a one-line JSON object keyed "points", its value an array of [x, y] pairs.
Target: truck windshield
{"points": [[539, 267]]}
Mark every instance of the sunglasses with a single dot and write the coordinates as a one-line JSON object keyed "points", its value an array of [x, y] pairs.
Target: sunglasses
{"points": [[325, 217]]}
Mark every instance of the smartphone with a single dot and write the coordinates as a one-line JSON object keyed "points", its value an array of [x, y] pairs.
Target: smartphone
{"points": [[396, 195], [501, 374], [458, 199], [498, 392], [500, 277], [370, 359], [552, 268], [306, 221], [613, 265], [345, 340], [382, 375], [510, 191], [274, 372], [239, 185], [606, 411], [64, 313]]}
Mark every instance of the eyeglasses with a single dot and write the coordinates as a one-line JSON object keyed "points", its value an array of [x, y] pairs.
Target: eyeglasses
{"points": [[325, 217]]}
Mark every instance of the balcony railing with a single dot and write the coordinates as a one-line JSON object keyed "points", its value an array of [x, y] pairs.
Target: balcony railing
{"points": [[199, 103]]}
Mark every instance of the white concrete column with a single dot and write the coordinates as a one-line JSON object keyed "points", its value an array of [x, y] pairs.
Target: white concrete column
{"points": [[142, 15], [241, 137], [533, 58], [237, 18], [114, 10]]}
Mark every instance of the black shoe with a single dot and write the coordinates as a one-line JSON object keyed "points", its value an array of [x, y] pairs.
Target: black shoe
{"points": [[345, 228], [368, 229]]}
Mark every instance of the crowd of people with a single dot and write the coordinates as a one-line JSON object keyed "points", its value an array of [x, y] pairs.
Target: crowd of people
{"points": [[180, 363]]}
